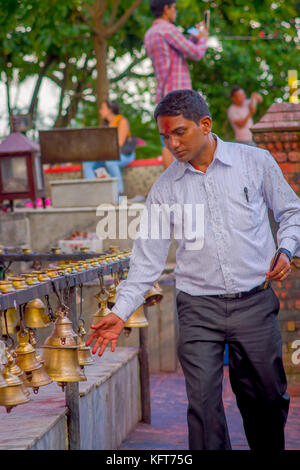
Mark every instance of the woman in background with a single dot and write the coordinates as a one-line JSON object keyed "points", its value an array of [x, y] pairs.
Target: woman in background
{"points": [[110, 113]]}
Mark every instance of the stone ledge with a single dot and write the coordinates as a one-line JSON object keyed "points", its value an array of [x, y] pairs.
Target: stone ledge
{"points": [[41, 423], [107, 366]]}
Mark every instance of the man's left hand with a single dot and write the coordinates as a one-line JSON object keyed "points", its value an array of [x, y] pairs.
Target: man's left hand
{"points": [[281, 270]]}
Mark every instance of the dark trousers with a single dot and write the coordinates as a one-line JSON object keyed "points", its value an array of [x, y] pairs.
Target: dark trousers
{"points": [[250, 327]]}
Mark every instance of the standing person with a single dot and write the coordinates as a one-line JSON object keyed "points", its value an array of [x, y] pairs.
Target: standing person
{"points": [[168, 50], [240, 114], [220, 274], [110, 113]]}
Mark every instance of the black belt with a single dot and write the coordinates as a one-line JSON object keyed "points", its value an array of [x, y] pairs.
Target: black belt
{"points": [[241, 295]]}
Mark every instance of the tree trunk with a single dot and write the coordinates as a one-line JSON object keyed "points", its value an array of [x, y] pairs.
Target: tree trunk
{"points": [[102, 85]]}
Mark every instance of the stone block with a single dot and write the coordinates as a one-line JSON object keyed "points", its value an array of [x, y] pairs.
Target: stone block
{"points": [[84, 192]]}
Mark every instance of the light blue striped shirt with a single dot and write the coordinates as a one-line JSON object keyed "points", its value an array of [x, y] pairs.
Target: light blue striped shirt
{"points": [[236, 243]]}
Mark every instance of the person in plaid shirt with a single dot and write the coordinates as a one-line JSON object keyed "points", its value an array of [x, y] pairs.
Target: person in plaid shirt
{"points": [[168, 49]]}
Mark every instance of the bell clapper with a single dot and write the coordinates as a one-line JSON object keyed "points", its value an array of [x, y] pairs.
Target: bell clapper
{"points": [[127, 331]]}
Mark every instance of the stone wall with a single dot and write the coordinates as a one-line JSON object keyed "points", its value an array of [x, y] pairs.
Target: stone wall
{"points": [[137, 179]]}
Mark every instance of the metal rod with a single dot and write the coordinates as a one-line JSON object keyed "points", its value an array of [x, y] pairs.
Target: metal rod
{"points": [[22, 296], [72, 388], [144, 373]]}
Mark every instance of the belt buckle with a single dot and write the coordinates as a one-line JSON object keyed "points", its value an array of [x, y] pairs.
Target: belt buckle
{"points": [[228, 296]]}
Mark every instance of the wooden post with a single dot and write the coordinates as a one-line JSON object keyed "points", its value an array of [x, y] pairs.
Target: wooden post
{"points": [[144, 373], [72, 388]]}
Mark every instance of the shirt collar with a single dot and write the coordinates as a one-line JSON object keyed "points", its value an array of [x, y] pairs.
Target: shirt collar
{"points": [[221, 154]]}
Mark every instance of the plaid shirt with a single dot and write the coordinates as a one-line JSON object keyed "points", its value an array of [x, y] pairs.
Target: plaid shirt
{"points": [[168, 49]]}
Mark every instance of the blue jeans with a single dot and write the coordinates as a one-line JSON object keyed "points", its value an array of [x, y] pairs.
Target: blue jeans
{"points": [[113, 167]]}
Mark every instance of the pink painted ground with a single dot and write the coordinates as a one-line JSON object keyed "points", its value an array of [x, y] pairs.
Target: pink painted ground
{"points": [[168, 429]]}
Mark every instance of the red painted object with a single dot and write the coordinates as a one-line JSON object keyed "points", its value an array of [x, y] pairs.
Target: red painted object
{"points": [[135, 163]]}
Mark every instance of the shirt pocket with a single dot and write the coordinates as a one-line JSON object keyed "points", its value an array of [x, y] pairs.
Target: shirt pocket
{"points": [[244, 207]]}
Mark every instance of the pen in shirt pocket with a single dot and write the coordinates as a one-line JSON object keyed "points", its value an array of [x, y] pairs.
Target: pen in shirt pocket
{"points": [[246, 193]]}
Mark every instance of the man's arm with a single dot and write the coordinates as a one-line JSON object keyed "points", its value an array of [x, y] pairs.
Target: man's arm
{"points": [[146, 264], [241, 122], [188, 48], [284, 202]]}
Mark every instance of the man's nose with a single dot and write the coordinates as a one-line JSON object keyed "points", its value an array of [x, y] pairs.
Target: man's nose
{"points": [[174, 142]]}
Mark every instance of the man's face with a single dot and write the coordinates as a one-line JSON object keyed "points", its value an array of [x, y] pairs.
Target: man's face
{"points": [[238, 97], [184, 138], [170, 11]]}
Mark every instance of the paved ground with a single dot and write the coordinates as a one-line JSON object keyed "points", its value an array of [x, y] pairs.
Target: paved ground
{"points": [[168, 429]]}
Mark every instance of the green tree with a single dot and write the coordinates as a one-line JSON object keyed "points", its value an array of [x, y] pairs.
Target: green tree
{"points": [[78, 45]]}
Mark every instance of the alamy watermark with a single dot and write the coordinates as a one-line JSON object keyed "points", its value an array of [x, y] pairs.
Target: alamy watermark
{"points": [[296, 354], [152, 221]]}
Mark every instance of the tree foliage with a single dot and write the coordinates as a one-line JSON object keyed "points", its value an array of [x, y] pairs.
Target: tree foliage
{"points": [[255, 44]]}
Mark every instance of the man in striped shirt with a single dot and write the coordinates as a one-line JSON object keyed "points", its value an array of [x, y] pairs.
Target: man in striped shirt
{"points": [[168, 49], [225, 266]]}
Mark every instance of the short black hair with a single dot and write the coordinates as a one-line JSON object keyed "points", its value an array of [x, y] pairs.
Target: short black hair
{"points": [[157, 6], [234, 90], [186, 102], [113, 106]]}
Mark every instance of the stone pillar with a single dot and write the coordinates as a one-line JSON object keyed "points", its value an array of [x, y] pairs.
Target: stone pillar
{"points": [[279, 132]]}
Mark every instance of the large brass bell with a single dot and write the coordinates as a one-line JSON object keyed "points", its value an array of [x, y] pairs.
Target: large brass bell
{"points": [[154, 296], [26, 359], [137, 319], [60, 353], [84, 352], [13, 394], [35, 314], [12, 321]]}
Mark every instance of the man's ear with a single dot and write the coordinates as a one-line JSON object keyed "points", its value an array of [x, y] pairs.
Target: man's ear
{"points": [[206, 125]]}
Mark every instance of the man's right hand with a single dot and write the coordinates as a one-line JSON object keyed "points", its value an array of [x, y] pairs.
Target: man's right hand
{"points": [[203, 31], [107, 330]]}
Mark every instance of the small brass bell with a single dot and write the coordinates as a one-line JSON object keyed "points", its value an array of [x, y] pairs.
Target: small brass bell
{"points": [[154, 296], [25, 353], [60, 353], [13, 394], [14, 369], [112, 295], [27, 360], [84, 352], [102, 312], [37, 378], [35, 314], [12, 321], [33, 343], [137, 319]]}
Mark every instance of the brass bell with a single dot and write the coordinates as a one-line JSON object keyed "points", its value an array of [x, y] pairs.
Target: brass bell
{"points": [[13, 394], [60, 353], [37, 378], [35, 314], [154, 296], [112, 295], [137, 319], [14, 369], [25, 353], [33, 343], [84, 352], [102, 312], [12, 321]]}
